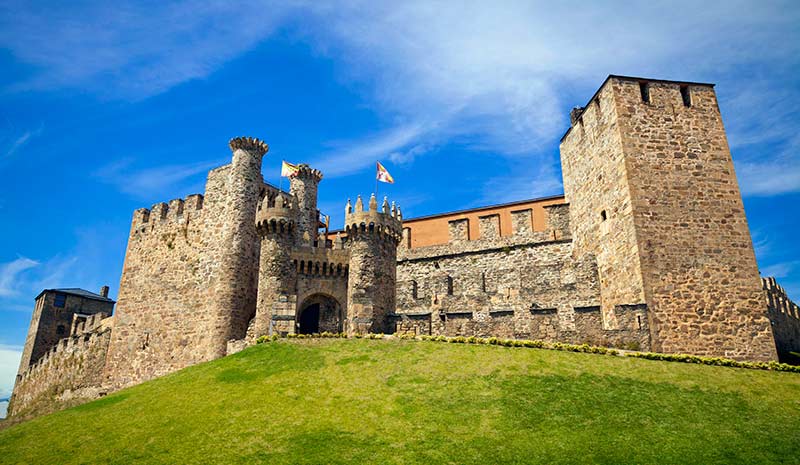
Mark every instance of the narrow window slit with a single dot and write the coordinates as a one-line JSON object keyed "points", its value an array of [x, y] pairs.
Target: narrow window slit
{"points": [[644, 89]]}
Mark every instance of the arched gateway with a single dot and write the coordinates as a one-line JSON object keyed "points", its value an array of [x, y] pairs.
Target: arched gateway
{"points": [[319, 313]]}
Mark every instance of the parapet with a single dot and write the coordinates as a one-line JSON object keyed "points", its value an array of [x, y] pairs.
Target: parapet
{"points": [[176, 211], [277, 216], [304, 171], [248, 144], [387, 222], [777, 299]]}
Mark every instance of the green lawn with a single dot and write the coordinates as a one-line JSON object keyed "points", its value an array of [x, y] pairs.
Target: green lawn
{"points": [[322, 401]]}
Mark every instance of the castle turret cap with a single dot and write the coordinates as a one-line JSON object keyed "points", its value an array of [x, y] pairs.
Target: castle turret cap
{"points": [[249, 144]]}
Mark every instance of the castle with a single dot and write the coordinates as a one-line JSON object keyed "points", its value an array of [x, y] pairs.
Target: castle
{"points": [[648, 249]]}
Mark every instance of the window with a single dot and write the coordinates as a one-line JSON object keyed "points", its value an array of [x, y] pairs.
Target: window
{"points": [[686, 96], [449, 285], [414, 289], [638, 321], [603, 215], [644, 89], [60, 300], [597, 103], [483, 282]]}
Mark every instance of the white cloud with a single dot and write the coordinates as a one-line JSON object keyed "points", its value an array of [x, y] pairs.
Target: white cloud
{"points": [[132, 49], [500, 78], [494, 77], [9, 364], [779, 270], [10, 275], [153, 182], [21, 140], [346, 157]]}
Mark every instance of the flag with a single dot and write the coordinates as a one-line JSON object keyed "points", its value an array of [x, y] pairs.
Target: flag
{"points": [[383, 175], [288, 170]]}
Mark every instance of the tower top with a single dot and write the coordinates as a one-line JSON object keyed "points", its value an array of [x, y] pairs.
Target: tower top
{"points": [[305, 171], [248, 144], [577, 112]]}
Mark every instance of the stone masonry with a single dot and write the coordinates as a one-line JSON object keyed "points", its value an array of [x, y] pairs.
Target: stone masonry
{"points": [[654, 197], [648, 250]]}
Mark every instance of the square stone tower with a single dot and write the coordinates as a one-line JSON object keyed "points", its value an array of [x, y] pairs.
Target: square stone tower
{"points": [[653, 194]]}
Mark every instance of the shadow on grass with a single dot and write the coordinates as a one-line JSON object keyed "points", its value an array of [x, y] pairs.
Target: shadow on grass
{"points": [[323, 446]]}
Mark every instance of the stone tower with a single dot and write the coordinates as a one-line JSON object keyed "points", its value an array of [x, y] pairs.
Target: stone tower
{"points": [[304, 185], [373, 237], [653, 194], [237, 279], [276, 224]]}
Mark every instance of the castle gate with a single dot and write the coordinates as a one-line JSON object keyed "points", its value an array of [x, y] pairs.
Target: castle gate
{"points": [[319, 313]]}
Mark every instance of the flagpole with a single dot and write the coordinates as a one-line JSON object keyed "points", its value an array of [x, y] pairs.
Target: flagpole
{"points": [[376, 180]]}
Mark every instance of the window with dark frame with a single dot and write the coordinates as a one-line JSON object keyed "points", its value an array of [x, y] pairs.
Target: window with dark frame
{"points": [[686, 96], [644, 89], [60, 300]]}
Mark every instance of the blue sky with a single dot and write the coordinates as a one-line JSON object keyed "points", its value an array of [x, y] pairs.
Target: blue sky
{"points": [[110, 106]]}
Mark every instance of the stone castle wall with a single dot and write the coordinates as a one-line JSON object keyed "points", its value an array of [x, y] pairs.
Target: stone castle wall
{"points": [[49, 323], [525, 286], [69, 373], [784, 317], [663, 206], [189, 278], [597, 189]]}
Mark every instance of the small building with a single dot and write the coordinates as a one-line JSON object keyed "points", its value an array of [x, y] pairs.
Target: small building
{"points": [[59, 313]]}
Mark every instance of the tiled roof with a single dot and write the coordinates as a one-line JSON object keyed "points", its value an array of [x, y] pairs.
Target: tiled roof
{"points": [[78, 292]]}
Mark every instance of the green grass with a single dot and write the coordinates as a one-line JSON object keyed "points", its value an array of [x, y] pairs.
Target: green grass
{"points": [[391, 401]]}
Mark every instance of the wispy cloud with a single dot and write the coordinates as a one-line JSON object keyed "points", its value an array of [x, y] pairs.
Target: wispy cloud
{"points": [[21, 140], [9, 364], [780, 270], [10, 275], [346, 157], [132, 49], [494, 78], [502, 79], [155, 181]]}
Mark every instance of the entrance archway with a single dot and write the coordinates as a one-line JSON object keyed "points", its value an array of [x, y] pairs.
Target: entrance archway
{"points": [[318, 314]]}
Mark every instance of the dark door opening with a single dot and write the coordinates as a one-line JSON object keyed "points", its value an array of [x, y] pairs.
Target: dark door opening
{"points": [[309, 320]]}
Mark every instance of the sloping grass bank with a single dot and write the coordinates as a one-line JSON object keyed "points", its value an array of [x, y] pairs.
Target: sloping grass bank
{"points": [[396, 401]]}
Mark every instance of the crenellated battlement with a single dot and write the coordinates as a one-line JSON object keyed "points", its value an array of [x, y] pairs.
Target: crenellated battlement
{"points": [[72, 345], [277, 216], [248, 144], [304, 171], [322, 262], [176, 211], [387, 223], [778, 300]]}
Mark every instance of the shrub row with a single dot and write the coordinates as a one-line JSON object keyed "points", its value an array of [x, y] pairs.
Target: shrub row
{"points": [[584, 348], [717, 361]]}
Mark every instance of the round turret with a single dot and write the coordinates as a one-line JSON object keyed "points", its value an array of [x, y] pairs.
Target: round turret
{"points": [[384, 223], [304, 184], [248, 144], [372, 239], [278, 217]]}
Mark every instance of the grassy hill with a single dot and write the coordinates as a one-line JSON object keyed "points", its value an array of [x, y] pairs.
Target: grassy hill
{"points": [[393, 401]]}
